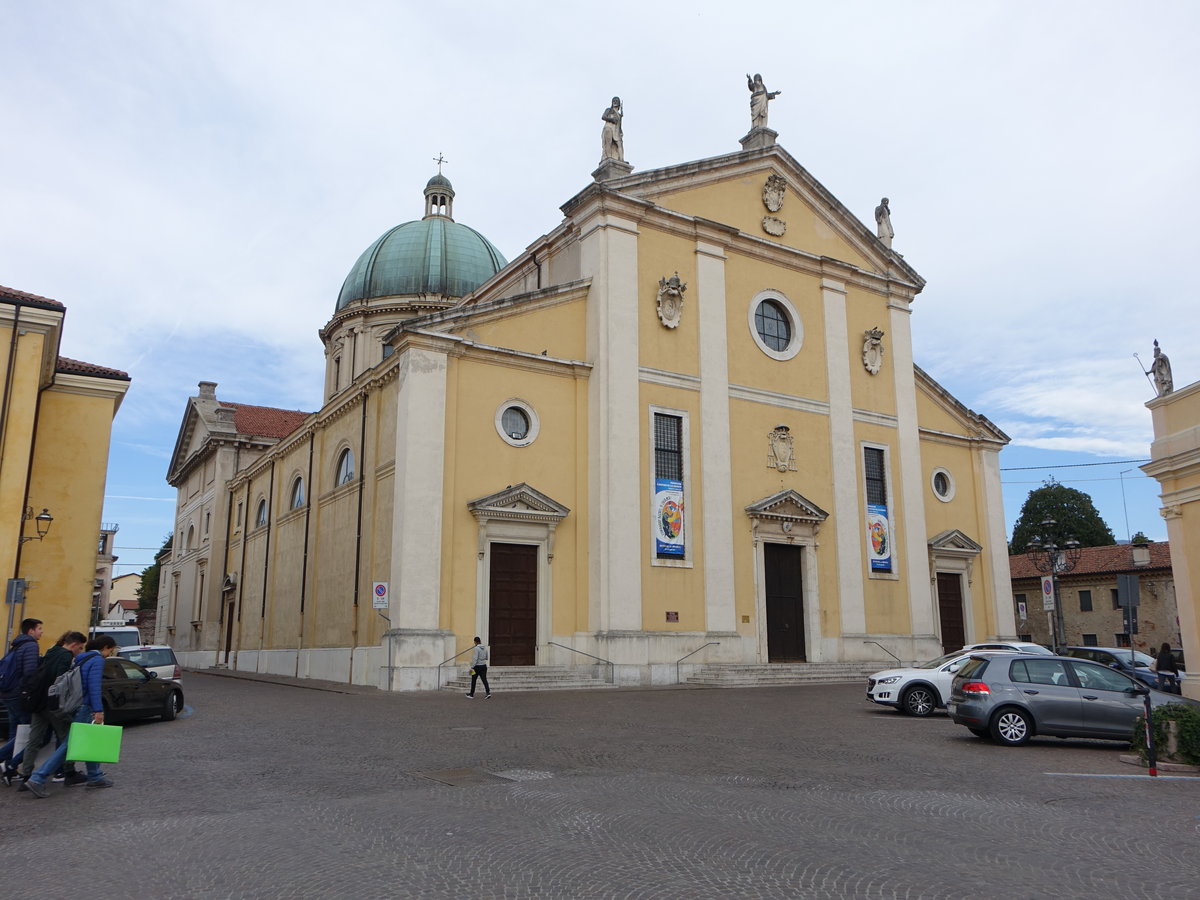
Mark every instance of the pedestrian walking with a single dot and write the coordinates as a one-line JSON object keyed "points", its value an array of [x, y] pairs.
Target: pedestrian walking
{"points": [[58, 659], [1167, 669], [91, 663], [21, 660], [479, 664]]}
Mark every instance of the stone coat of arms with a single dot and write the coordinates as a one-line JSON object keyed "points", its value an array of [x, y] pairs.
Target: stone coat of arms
{"points": [[670, 300], [873, 350], [781, 454], [772, 193]]}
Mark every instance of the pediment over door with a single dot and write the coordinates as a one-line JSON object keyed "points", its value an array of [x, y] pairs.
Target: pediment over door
{"points": [[788, 515], [953, 543], [519, 502]]}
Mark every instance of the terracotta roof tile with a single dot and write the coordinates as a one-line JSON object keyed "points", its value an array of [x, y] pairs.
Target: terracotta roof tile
{"points": [[266, 421], [1098, 560], [76, 367], [7, 293]]}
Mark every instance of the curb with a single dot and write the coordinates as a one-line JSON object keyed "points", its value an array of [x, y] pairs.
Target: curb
{"points": [[1133, 759]]}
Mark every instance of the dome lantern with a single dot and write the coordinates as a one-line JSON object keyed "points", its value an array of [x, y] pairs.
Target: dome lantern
{"points": [[439, 197]]}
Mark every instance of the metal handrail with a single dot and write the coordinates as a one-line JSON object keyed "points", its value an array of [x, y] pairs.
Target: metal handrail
{"points": [[697, 650], [446, 660], [885, 650], [608, 662]]}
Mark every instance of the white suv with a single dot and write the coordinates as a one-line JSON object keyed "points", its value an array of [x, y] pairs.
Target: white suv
{"points": [[919, 690], [158, 658]]}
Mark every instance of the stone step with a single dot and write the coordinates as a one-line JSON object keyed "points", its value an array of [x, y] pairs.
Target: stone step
{"points": [[529, 678], [780, 674]]}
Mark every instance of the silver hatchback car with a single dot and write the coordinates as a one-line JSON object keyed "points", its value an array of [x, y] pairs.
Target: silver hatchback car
{"points": [[1013, 698]]}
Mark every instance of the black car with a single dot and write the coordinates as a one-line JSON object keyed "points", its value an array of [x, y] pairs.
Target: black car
{"points": [[1133, 663], [131, 692]]}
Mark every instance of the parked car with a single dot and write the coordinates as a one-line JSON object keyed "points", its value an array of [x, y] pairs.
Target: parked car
{"points": [[919, 690], [1131, 662], [131, 692], [1013, 698], [1015, 646], [158, 658], [124, 635]]}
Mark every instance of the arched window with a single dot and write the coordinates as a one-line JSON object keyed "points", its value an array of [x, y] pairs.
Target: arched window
{"points": [[297, 500], [261, 517], [191, 537], [345, 467]]}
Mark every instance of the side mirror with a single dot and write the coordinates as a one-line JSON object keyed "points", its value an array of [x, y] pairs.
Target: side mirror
{"points": [[151, 674], [953, 667], [1137, 690]]}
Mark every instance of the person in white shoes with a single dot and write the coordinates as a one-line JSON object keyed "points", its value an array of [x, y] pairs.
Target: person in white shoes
{"points": [[479, 663]]}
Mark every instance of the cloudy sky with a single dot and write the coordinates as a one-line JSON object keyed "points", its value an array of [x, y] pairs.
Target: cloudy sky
{"points": [[195, 179]]}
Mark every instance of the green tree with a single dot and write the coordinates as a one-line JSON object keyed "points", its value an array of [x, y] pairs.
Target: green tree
{"points": [[1139, 538], [1072, 510], [147, 591]]}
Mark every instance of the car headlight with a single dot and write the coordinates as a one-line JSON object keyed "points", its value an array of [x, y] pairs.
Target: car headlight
{"points": [[891, 679]]}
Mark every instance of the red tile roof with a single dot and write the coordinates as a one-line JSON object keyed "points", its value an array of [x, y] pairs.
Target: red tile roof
{"points": [[7, 293], [1099, 560], [266, 421], [75, 367]]}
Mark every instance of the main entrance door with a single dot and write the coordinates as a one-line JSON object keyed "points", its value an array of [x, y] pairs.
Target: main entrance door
{"points": [[785, 603], [512, 604], [950, 611]]}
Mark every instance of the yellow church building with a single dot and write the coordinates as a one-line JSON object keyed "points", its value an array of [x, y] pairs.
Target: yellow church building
{"points": [[56, 419], [686, 423]]}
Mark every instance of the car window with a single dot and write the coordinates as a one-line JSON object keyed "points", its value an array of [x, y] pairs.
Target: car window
{"points": [[147, 658], [972, 668], [1100, 678], [1039, 671], [941, 660], [121, 668]]}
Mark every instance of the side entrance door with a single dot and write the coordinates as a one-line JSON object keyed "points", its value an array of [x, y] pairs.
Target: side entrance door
{"points": [[785, 603], [950, 611], [512, 604]]}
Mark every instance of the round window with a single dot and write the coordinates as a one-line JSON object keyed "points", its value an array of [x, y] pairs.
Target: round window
{"points": [[772, 325], [515, 423], [942, 483]]}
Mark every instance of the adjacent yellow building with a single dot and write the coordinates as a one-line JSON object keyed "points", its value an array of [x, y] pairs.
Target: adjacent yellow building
{"points": [[688, 417], [56, 419]]}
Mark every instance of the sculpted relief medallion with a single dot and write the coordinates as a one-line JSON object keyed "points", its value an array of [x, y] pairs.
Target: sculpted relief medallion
{"points": [[773, 225], [773, 192], [781, 454], [873, 350], [670, 300]]}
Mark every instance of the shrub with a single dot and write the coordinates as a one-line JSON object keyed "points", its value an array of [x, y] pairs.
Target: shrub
{"points": [[1188, 725]]}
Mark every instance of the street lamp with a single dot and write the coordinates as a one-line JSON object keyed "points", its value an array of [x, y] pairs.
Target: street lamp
{"points": [[42, 522], [1054, 554]]}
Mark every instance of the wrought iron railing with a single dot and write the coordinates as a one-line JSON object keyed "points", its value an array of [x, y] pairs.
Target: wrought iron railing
{"points": [[607, 662], [697, 650]]}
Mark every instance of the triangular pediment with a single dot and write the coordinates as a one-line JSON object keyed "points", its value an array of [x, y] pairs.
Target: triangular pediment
{"points": [[518, 501], [787, 505], [953, 541], [954, 416], [730, 190]]}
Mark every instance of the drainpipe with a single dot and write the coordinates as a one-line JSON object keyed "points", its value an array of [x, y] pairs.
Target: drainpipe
{"points": [[262, 628], [8, 380], [362, 484], [304, 565]]}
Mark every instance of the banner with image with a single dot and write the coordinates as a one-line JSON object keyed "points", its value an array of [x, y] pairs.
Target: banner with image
{"points": [[879, 538], [668, 517]]}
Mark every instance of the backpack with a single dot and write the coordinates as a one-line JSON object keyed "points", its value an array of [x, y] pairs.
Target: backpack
{"points": [[34, 688], [10, 674], [66, 694]]}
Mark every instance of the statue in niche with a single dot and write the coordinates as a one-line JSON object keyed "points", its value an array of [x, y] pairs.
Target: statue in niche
{"points": [[1160, 371], [872, 353], [781, 454], [670, 300], [612, 136], [883, 223], [759, 98], [773, 192]]}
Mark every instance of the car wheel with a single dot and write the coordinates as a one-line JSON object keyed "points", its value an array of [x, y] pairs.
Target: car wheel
{"points": [[980, 732], [919, 700], [1011, 727], [174, 705]]}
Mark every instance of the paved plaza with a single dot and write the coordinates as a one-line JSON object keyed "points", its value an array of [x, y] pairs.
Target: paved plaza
{"points": [[285, 791]]}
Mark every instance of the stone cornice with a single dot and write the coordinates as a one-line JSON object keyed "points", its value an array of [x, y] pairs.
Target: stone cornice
{"points": [[1179, 465], [88, 386]]}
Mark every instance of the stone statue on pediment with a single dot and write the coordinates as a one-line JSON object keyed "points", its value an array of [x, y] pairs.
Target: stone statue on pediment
{"points": [[1160, 371], [759, 98], [612, 135], [883, 223]]}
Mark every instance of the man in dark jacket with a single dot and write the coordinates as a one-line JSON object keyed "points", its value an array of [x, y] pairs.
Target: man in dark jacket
{"points": [[25, 646], [57, 660]]}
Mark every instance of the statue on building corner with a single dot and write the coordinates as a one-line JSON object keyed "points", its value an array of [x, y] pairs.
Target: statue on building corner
{"points": [[759, 98], [1160, 371], [883, 223], [612, 136]]}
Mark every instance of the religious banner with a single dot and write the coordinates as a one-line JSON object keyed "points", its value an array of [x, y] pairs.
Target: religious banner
{"points": [[879, 538], [668, 517]]}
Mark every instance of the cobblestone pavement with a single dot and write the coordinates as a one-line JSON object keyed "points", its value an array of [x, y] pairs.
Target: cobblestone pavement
{"points": [[273, 790]]}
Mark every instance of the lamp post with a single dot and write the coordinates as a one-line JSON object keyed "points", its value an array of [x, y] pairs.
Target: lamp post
{"points": [[1054, 554], [41, 521]]}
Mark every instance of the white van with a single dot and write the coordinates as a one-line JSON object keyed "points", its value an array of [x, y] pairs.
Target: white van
{"points": [[124, 635]]}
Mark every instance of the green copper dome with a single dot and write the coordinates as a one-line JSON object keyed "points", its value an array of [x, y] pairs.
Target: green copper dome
{"points": [[435, 255]]}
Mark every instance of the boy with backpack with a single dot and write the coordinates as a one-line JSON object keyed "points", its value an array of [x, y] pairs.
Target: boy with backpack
{"points": [[90, 664], [20, 661], [58, 659]]}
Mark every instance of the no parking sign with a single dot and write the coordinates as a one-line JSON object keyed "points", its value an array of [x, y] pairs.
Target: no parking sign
{"points": [[379, 595]]}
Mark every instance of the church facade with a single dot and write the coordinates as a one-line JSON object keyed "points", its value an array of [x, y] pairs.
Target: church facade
{"points": [[688, 417]]}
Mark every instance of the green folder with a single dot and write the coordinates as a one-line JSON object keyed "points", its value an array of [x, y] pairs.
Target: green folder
{"points": [[94, 743]]}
